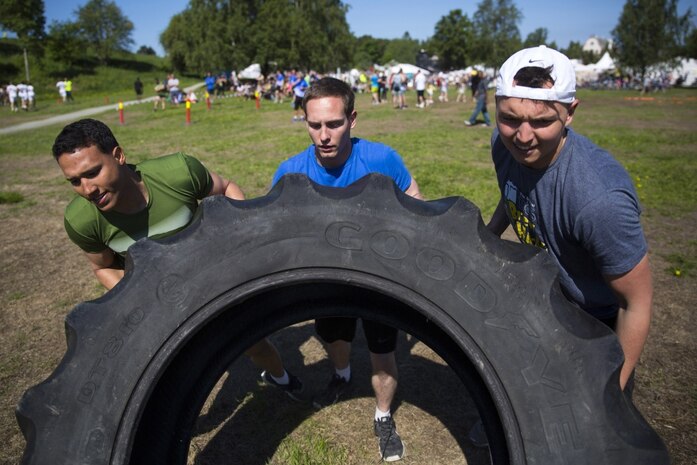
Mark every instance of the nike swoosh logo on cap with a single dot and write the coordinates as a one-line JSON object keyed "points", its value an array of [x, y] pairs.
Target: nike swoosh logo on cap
{"points": [[534, 61]]}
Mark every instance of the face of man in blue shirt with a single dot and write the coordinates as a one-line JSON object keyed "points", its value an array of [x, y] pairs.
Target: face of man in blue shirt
{"points": [[330, 130]]}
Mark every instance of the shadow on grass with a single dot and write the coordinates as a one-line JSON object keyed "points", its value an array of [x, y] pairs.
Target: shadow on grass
{"points": [[249, 421]]}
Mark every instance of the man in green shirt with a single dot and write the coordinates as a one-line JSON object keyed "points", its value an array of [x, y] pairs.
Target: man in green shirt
{"points": [[118, 203]]}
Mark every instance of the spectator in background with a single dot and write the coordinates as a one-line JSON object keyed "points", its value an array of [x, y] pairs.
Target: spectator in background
{"points": [[161, 95], [22, 95], [60, 85], [474, 81], [461, 94], [480, 97], [221, 85], [138, 87], [443, 96], [298, 88], [374, 87], [173, 88], [278, 86], [382, 88], [31, 96], [11, 90], [420, 86], [210, 83], [69, 90]]}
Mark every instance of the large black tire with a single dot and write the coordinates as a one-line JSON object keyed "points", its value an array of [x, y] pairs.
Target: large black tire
{"points": [[142, 359]]}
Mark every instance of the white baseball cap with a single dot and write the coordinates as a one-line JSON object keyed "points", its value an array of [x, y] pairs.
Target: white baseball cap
{"points": [[564, 88]]}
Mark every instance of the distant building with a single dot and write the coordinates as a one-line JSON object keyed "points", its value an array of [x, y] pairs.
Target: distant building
{"points": [[597, 45]]}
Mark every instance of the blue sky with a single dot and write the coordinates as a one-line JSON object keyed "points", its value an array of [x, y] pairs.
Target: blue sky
{"points": [[565, 20]]}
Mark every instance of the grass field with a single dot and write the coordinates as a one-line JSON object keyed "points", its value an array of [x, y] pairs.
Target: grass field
{"points": [[43, 275]]}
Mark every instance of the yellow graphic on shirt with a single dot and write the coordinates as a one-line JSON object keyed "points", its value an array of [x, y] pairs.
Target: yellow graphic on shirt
{"points": [[522, 216]]}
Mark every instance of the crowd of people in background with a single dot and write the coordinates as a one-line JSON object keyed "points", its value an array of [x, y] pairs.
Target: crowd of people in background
{"points": [[18, 96], [385, 85]]}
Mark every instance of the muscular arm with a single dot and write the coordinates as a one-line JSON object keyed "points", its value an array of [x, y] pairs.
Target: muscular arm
{"points": [[104, 267], [499, 220], [634, 290], [222, 186]]}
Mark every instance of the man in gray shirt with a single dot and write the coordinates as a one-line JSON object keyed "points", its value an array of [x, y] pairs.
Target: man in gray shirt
{"points": [[562, 193]]}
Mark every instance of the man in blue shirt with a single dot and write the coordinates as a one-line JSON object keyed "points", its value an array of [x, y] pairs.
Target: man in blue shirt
{"points": [[335, 159], [298, 86], [210, 83]]}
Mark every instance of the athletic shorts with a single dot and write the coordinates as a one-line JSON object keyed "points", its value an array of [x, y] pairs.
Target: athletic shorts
{"points": [[420, 93], [297, 103], [381, 339]]}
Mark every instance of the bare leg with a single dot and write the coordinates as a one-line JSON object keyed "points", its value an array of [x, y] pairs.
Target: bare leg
{"points": [[384, 379], [265, 356], [339, 353]]}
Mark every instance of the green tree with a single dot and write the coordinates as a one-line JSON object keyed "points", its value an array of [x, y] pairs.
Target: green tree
{"points": [[368, 51], [146, 50], [25, 18], [452, 40], [105, 27], [691, 45], [649, 32], [536, 37], [402, 50], [574, 50], [231, 34], [64, 44], [496, 31]]}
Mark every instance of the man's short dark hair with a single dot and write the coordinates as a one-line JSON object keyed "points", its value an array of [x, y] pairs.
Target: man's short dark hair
{"points": [[330, 87], [534, 76], [84, 133]]}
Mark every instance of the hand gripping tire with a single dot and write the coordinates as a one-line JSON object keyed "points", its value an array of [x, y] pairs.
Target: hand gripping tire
{"points": [[142, 359]]}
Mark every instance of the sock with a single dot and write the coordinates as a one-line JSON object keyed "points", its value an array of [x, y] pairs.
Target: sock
{"points": [[283, 379], [344, 372], [380, 414]]}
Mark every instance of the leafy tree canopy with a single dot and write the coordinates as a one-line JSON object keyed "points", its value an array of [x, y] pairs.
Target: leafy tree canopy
{"points": [[650, 32], [25, 18], [307, 34], [452, 40], [64, 43], [496, 31], [146, 50], [105, 27]]}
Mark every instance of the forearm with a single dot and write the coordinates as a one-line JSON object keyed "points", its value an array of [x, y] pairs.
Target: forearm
{"points": [[499, 220], [635, 294], [108, 277], [632, 331], [233, 191]]}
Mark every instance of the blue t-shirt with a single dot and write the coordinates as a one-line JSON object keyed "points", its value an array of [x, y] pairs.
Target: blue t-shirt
{"points": [[299, 88], [366, 157], [583, 210], [210, 83]]}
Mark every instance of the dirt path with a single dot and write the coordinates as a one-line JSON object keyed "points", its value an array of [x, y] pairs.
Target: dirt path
{"points": [[80, 114]]}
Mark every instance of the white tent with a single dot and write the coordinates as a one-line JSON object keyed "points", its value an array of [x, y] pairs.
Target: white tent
{"points": [[250, 72], [687, 70], [408, 69], [606, 63]]}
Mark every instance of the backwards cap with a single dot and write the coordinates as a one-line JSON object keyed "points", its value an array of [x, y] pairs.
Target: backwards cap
{"points": [[564, 89]]}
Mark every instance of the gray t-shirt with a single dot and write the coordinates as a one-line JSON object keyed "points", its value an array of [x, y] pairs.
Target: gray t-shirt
{"points": [[583, 209]]}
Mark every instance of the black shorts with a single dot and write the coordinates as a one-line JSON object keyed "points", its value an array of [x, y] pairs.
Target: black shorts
{"points": [[381, 339], [298, 103]]}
